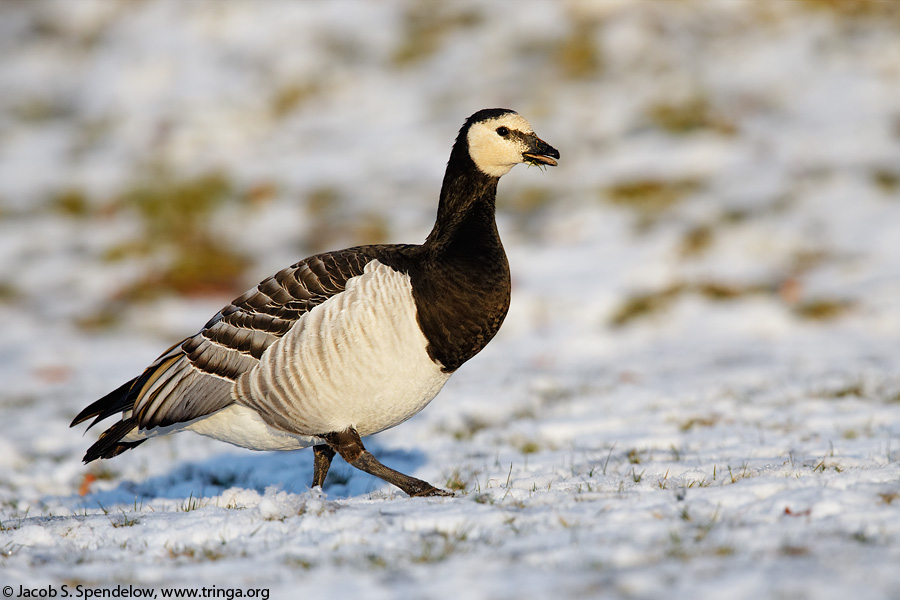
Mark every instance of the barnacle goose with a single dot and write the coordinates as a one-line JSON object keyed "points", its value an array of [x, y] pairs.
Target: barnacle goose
{"points": [[344, 344]]}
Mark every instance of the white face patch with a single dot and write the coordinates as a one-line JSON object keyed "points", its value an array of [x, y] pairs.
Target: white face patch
{"points": [[492, 153]]}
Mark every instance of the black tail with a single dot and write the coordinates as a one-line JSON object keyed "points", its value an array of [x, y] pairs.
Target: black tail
{"points": [[114, 402], [109, 444]]}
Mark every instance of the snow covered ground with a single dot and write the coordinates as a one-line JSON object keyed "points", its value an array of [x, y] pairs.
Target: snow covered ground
{"points": [[696, 393]]}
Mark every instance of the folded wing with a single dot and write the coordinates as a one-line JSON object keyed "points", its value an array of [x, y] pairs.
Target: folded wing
{"points": [[194, 378]]}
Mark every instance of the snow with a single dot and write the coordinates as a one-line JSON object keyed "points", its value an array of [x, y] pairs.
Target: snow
{"points": [[717, 445]]}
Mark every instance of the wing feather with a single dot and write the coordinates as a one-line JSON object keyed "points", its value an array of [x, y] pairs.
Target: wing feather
{"points": [[194, 378]]}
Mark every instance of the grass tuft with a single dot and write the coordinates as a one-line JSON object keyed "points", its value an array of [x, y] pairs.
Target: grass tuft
{"points": [[9, 293], [201, 554], [124, 521], [823, 309], [7, 526], [330, 226], [888, 497], [578, 55], [735, 477], [529, 447], [455, 482], [71, 203], [426, 26], [794, 550], [645, 304], [177, 239], [709, 421], [888, 181], [190, 504], [856, 9], [438, 546], [634, 456], [688, 115], [650, 198], [291, 97], [696, 241]]}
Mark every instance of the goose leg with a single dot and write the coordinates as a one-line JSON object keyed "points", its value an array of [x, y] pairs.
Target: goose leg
{"points": [[322, 455], [348, 444]]}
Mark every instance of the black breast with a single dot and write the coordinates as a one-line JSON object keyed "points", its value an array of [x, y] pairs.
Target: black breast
{"points": [[458, 313], [461, 288]]}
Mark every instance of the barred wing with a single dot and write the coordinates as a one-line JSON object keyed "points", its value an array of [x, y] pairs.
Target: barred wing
{"points": [[194, 378]]}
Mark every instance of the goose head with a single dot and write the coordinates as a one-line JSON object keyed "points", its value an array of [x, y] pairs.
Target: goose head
{"points": [[499, 139]]}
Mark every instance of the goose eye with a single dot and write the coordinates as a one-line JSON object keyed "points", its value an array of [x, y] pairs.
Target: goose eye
{"points": [[502, 131]]}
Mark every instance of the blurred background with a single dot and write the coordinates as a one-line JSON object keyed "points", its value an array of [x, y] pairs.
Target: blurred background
{"points": [[729, 188], [706, 289]]}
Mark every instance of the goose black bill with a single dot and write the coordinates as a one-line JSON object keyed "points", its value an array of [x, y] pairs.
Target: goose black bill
{"points": [[540, 153]]}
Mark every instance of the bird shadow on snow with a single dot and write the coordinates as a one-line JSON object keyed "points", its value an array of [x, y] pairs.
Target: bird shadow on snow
{"points": [[288, 471]]}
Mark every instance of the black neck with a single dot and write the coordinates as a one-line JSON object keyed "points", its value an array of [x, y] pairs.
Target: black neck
{"points": [[465, 224], [461, 282]]}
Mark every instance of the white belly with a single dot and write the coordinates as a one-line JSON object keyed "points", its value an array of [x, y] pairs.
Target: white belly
{"points": [[236, 425], [357, 360], [243, 427]]}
